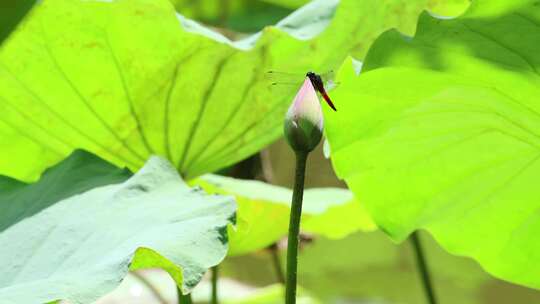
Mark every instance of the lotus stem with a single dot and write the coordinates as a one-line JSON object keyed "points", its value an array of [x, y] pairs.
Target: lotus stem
{"points": [[276, 261], [423, 268], [294, 227], [215, 274], [183, 299]]}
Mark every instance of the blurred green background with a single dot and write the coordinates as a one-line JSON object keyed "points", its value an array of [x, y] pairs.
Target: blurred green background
{"points": [[237, 16]]}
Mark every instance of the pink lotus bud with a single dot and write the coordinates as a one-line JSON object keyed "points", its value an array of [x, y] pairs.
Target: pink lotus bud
{"points": [[304, 119]]}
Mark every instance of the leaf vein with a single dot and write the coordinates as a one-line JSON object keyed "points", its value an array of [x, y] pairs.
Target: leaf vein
{"points": [[87, 104], [195, 125], [128, 97]]}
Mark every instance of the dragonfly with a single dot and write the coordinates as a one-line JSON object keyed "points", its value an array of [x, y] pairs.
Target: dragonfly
{"points": [[316, 80]]}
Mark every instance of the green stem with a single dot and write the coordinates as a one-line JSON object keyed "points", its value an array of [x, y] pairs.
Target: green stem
{"points": [[294, 227], [423, 268], [183, 299], [276, 261], [214, 299]]}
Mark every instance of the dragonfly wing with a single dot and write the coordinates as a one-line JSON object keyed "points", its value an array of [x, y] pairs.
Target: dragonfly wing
{"points": [[280, 89], [328, 76], [328, 79], [283, 77], [330, 85]]}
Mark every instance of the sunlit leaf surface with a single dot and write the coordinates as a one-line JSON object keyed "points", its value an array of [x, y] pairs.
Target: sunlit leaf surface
{"points": [[127, 79], [441, 132], [63, 238], [263, 212]]}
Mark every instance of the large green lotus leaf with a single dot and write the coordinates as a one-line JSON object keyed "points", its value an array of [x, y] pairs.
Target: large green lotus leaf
{"points": [[214, 9], [263, 212], [73, 235], [441, 132], [438, 7], [127, 79]]}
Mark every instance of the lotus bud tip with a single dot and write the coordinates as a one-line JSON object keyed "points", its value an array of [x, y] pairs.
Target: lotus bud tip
{"points": [[304, 120]]}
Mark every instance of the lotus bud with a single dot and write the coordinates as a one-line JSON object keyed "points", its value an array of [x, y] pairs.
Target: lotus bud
{"points": [[304, 119]]}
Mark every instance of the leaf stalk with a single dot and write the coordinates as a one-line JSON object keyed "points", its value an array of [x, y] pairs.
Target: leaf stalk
{"points": [[276, 262], [215, 275], [294, 227], [183, 299], [423, 268]]}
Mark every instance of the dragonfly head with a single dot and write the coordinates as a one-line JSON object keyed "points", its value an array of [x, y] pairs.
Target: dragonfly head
{"points": [[314, 78]]}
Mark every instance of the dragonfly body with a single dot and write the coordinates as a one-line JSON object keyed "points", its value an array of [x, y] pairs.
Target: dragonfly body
{"points": [[315, 79], [318, 84]]}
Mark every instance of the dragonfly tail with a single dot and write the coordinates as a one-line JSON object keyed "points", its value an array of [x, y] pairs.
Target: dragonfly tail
{"points": [[329, 101]]}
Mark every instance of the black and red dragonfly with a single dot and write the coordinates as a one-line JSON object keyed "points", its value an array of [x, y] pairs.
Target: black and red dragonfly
{"points": [[316, 81]]}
